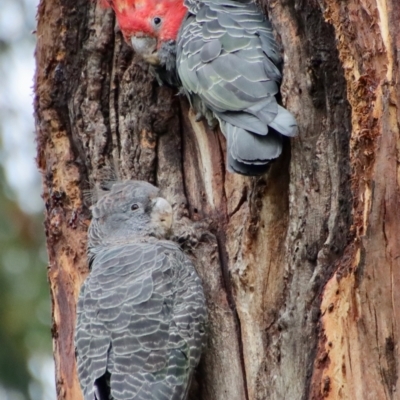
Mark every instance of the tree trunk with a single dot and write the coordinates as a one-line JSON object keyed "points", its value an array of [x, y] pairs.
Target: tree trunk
{"points": [[302, 264]]}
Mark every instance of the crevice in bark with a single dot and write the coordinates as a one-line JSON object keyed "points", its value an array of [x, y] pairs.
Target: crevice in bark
{"points": [[184, 150], [221, 240], [242, 200]]}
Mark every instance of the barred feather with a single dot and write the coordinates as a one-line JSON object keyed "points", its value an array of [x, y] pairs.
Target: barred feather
{"points": [[141, 312], [228, 57]]}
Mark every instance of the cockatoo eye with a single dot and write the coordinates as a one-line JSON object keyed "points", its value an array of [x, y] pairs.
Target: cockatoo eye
{"points": [[157, 21], [134, 207]]}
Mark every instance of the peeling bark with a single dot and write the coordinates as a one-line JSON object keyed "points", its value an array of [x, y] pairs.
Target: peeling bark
{"points": [[361, 304], [300, 266]]}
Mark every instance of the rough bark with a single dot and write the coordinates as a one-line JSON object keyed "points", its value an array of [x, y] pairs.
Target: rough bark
{"points": [[300, 266]]}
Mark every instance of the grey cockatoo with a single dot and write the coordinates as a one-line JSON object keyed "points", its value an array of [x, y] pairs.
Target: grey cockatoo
{"points": [[141, 311], [224, 56]]}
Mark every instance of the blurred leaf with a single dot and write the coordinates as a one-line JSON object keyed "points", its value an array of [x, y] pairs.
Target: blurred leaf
{"points": [[25, 337], [24, 293]]}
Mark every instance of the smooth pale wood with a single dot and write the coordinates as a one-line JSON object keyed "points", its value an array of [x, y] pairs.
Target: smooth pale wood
{"points": [[361, 304], [300, 266]]}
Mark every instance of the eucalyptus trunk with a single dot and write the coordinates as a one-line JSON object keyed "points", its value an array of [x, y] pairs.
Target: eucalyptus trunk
{"points": [[301, 265]]}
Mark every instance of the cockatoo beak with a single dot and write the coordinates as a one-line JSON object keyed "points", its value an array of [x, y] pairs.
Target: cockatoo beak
{"points": [[161, 213], [146, 47]]}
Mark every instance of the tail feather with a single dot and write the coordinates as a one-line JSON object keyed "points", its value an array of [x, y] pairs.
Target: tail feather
{"points": [[234, 166], [249, 148], [285, 123], [248, 153], [243, 120]]}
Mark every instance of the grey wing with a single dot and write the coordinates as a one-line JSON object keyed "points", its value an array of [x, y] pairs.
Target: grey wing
{"points": [[127, 305], [116, 281], [187, 326], [190, 311], [228, 56], [192, 5], [92, 342]]}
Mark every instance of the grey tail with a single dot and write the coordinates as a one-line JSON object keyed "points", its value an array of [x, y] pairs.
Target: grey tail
{"points": [[249, 153], [236, 167], [285, 123]]}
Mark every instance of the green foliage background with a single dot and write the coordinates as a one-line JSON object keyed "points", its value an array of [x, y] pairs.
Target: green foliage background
{"points": [[26, 366], [24, 296]]}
